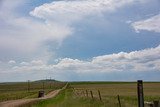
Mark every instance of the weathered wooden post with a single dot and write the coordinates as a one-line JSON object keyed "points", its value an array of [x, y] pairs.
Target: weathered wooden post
{"points": [[100, 98], [43, 85], [28, 85], [119, 101], [140, 93], [50, 83], [86, 93], [91, 94]]}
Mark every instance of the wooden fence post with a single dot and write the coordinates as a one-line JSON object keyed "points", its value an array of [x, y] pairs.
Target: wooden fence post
{"points": [[140, 93], [50, 83], [99, 95], [28, 85], [86, 93], [43, 85], [91, 94], [119, 101]]}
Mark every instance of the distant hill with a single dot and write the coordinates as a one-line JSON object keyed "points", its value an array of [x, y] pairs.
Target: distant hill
{"points": [[47, 80]]}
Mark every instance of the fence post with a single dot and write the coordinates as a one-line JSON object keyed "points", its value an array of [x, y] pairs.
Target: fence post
{"points": [[28, 85], [99, 95], [50, 83], [119, 101], [86, 93], [43, 85], [91, 94], [140, 93]]}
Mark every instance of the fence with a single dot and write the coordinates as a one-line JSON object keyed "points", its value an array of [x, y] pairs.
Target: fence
{"points": [[96, 95]]}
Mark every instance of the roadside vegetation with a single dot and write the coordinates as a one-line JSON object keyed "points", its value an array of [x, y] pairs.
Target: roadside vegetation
{"points": [[20, 90], [67, 99]]}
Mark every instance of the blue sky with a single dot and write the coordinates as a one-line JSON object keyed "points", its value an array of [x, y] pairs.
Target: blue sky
{"points": [[77, 40]]}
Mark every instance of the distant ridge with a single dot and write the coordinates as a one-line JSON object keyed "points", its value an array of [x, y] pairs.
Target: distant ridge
{"points": [[47, 80]]}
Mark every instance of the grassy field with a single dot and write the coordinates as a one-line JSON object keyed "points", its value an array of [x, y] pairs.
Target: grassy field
{"points": [[127, 92], [67, 98], [19, 90], [75, 95]]}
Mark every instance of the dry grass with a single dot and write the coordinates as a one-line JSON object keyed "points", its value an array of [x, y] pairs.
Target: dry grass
{"points": [[127, 92], [12, 91]]}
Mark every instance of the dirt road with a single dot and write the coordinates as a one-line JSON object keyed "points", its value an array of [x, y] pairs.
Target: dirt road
{"points": [[15, 103]]}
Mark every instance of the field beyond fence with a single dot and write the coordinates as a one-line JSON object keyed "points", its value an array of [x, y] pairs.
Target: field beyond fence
{"points": [[120, 94]]}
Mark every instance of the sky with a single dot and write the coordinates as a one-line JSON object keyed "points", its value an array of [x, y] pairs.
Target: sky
{"points": [[80, 40]]}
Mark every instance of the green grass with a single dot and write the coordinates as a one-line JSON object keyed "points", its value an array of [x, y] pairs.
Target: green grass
{"points": [[66, 98], [19, 90]]}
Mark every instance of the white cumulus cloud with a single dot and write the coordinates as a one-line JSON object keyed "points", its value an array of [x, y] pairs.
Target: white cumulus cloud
{"points": [[143, 60], [69, 11], [37, 62], [24, 63], [11, 62], [151, 24], [147, 60]]}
